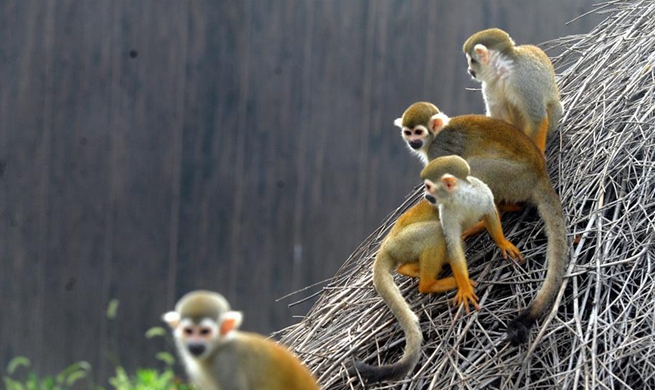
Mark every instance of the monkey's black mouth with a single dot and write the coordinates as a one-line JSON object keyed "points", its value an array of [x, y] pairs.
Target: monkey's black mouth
{"points": [[430, 198], [196, 349], [415, 144]]}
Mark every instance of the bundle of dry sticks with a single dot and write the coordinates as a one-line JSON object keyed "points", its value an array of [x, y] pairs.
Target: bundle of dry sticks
{"points": [[602, 334]]}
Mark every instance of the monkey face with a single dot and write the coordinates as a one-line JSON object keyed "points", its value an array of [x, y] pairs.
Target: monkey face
{"points": [[442, 190], [415, 137], [471, 72], [197, 339], [430, 190], [473, 65]]}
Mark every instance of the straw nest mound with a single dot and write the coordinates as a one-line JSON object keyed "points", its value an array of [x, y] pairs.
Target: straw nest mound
{"points": [[602, 332]]}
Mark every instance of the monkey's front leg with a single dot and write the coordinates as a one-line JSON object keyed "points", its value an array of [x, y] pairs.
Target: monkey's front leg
{"points": [[465, 295]]}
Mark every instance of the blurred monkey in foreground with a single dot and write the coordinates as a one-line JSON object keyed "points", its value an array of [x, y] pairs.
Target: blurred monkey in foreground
{"points": [[218, 356]]}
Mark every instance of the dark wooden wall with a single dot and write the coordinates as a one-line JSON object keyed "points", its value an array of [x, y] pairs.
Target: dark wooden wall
{"points": [[152, 147]]}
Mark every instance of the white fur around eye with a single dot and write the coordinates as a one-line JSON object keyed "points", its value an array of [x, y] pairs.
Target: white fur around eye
{"points": [[211, 324], [181, 326]]}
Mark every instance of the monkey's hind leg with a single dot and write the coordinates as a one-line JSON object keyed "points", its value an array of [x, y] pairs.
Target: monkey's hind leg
{"points": [[510, 207], [429, 267], [430, 264], [492, 221], [539, 138], [474, 230], [438, 285], [480, 226], [411, 270]]}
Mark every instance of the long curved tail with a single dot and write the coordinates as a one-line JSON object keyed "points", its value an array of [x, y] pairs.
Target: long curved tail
{"points": [[550, 210], [386, 287]]}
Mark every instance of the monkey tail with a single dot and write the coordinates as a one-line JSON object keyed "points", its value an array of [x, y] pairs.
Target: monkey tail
{"points": [[550, 210], [386, 287]]}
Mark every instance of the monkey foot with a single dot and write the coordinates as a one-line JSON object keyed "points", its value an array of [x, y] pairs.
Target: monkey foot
{"points": [[507, 248], [466, 296], [413, 270]]}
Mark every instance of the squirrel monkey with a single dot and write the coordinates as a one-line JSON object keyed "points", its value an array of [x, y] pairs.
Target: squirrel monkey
{"points": [[515, 170], [417, 131], [463, 200], [518, 83], [218, 356], [420, 242]]}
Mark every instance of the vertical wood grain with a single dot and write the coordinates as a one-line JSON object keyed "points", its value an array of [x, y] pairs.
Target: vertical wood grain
{"points": [[149, 148]]}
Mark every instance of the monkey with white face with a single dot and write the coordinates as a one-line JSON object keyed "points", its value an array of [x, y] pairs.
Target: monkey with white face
{"points": [[419, 133], [218, 356], [463, 200]]}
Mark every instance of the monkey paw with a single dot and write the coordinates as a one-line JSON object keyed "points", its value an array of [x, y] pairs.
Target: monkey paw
{"points": [[466, 297], [509, 249]]}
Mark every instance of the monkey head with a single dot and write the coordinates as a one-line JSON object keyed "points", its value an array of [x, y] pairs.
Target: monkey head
{"points": [[201, 321], [419, 125], [488, 54], [442, 177]]}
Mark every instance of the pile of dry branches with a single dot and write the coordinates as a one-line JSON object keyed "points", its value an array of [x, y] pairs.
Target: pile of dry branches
{"points": [[602, 334]]}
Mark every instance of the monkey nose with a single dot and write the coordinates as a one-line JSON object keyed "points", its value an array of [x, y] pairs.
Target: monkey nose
{"points": [[416, 144], [430, 198], [471, 72], [196, 349]]}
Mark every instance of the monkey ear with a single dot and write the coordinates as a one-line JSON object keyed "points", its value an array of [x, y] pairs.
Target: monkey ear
{"points": [[449, 182], [230, 322], [437, 122], [398, 122], [482, 52], [172, 318]]}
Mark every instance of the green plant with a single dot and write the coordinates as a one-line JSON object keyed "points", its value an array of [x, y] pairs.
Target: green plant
{"points": [[147, 378], [62, 381], [142, 379]]}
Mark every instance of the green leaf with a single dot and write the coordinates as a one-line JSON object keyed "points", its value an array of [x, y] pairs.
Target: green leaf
{"points": [[74, 377], [32, 382], [166, 357], [46, 384], [155, 331], [112, 308], [11, 384], [17, 362]]}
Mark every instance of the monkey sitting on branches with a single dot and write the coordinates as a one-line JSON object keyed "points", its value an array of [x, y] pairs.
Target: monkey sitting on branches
{"points": [[422, 241]]}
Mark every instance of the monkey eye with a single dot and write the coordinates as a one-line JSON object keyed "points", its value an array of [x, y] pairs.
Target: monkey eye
{"points": [[418, 132], [205, 331], [474, 61], [188, 331], [407, 132]]}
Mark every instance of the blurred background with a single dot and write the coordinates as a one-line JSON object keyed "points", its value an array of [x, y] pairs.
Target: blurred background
{"points": [[152, 147]]}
